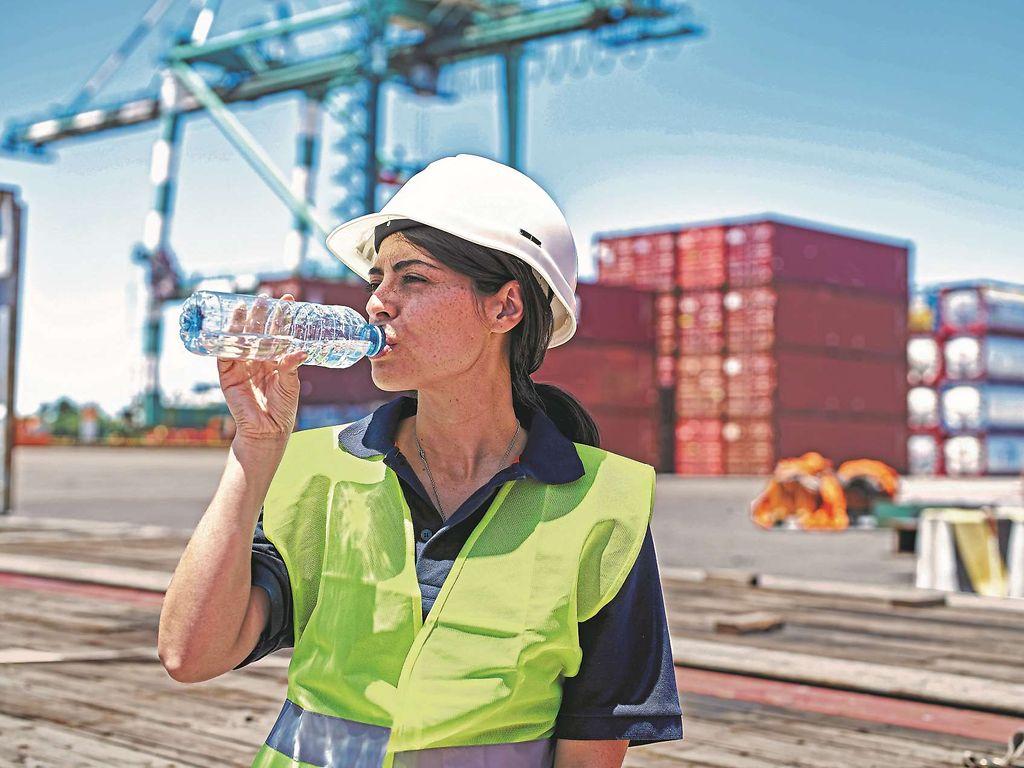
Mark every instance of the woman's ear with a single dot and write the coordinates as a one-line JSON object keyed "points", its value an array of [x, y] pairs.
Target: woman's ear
{"points": [[509, 305]]}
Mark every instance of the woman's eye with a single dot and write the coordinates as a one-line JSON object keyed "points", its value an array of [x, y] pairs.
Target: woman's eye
{"points": [[371, 287]]}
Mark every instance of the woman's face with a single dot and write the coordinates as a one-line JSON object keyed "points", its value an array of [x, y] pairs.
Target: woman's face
{"points": [[433, 315]]}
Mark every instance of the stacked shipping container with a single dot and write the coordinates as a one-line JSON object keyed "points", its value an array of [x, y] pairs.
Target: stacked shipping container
{"points": [[924, 372], [712, 349], [788, 338], [980, 394]]}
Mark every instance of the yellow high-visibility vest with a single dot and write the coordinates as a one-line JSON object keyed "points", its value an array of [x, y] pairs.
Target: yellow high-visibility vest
{"points": [[479, 682]]}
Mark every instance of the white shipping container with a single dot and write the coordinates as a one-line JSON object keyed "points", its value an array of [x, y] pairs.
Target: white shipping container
{"points": [[923, 454], [923, 359], [984, 455], [997, 308], [922, 407], [983, 407], [974, 357]]}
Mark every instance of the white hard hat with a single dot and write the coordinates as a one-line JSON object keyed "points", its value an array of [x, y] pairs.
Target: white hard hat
{"points": [[486, 203]]}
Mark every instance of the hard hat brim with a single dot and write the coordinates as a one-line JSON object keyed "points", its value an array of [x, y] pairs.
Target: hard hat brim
{"points": [[352, 244]]}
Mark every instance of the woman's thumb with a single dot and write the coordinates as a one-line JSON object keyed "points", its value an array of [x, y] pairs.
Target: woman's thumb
{"points": [[292, 361]]}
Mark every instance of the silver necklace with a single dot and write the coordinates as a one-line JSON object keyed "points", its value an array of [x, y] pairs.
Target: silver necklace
{"points": [[423, 458]]}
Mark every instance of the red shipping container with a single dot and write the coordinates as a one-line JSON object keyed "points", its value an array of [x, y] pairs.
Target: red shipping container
{"points": [[277, 288], [628, 432], [748, 254], [599, 374], [701, 322], [749, 446], [665, 371], [615, 265], [841, 439], [343, 386], [761, 252], [699, 447], [645, 261], [750, 385], [614, 313], [665, 322], [656, 256], [700, 387], [830, 318], [701, 258], [750, 319], [841, 386]]}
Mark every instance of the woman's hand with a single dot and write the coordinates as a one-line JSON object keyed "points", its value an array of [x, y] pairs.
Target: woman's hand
{"points": [[262, 395]]}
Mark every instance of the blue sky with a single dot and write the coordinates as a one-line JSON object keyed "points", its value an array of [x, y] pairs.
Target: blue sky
{"points": [[897, 118]]}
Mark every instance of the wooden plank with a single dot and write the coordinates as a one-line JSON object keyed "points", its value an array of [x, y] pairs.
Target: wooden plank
{"points": [[737, 576], [868, 708], [32, 656], [73, 701], [984, 602], [867, 629], [684, 575], [746, 623], [902, 596], [35, 743], [91, 573], [885, 679], [719, 722]]}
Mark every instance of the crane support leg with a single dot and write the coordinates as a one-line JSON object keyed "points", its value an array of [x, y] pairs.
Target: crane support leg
{"points": [[304, 178], [155, 250], [512, 60], [248, 147]]}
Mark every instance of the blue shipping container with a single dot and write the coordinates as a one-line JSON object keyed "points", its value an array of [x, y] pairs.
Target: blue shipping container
{"points": [[984, 307], [984, 455], [982, 407], [984, 357]]}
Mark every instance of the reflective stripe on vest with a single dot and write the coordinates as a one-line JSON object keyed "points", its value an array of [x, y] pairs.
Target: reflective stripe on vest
{"points": [[301, 737], [487, 665]]}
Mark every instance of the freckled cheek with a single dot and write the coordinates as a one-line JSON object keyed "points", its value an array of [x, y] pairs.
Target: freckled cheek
{"points": [[441, 327]]}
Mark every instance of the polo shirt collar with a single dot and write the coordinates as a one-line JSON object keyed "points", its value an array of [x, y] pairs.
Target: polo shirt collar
{"points": [[549, 456]]}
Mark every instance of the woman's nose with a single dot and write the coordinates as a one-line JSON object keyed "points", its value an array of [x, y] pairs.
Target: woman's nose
{"points": [[377, 303]]}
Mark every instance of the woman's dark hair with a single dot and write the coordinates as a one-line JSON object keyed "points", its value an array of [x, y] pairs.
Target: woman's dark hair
{"points": [[489, 269]]}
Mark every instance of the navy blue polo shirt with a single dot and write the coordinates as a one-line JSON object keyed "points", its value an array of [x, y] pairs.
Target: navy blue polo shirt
{"points": [[625, 688]]}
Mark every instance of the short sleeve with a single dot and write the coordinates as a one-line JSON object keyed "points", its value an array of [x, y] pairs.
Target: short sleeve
{"points": [[626, 685], [270, 574]]}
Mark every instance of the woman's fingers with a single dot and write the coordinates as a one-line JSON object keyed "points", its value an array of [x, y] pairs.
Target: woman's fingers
{"points": [[281, 316], [257, 320], [237, 320]]}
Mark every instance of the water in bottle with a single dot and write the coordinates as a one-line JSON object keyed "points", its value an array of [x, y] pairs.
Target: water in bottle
{"points": [[242, 327]]}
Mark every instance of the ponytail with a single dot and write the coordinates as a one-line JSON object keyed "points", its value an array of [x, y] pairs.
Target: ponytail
{"points": [[490, 269], [567, 413]]}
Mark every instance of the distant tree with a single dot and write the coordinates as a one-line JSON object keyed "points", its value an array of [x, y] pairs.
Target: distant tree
{"points": [[61, 417]]}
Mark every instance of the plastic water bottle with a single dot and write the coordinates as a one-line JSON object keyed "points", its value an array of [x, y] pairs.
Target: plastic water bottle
{"points": [[224, 325]]}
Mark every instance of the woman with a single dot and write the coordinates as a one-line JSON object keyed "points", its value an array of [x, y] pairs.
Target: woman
{"points": [[468, 580]]}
